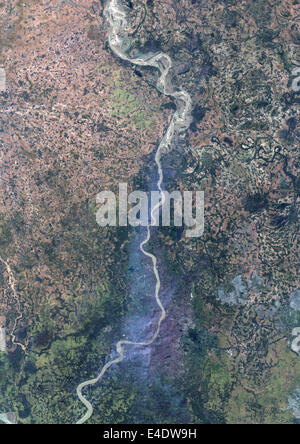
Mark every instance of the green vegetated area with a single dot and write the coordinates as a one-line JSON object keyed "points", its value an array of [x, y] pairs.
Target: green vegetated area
{"points": [[127, 398], [219, 394], [125, 102], [219, 386], [69, 338], [41, 386]]}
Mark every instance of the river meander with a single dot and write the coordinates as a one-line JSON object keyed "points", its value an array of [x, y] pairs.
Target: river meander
{"points": [[120, 43]]}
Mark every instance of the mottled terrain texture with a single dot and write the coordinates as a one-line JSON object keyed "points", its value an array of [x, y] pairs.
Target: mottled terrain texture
{"points": [[75, 120]]}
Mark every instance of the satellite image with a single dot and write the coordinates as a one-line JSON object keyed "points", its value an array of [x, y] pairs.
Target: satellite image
{"points": [[149, 212]]}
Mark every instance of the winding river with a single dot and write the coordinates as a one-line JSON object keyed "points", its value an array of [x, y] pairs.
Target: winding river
{"points": [[118, 27]]}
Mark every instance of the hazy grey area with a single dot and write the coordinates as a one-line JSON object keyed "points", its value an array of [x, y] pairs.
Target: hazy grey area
{"points": [[295, 300], [240, 290]]}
